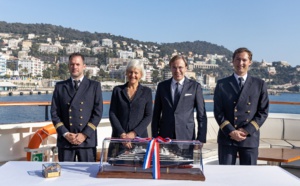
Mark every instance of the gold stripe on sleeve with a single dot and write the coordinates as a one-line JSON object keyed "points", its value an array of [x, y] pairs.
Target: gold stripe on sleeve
{"points": [[255, 124], [92, 126], [58, 125], [226, 122]]}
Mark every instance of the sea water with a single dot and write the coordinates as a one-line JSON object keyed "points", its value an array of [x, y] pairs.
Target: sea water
{"points": [[20, 114]]}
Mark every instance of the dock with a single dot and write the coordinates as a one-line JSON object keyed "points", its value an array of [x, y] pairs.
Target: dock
{"points": [[25, 92]]}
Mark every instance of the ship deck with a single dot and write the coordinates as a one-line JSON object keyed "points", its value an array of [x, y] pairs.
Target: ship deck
{"points": [[14, 137]]}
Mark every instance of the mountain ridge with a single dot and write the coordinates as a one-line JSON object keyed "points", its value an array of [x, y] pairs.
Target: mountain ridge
{"points": [[49, 30]]}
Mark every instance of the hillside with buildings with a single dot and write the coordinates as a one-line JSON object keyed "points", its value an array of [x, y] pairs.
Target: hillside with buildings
{"points": [[40, 51]]}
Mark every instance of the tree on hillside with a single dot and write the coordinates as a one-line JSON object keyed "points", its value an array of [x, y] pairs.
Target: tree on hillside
{"points": [[1, 42], [103, 74], [11, 66], [34, 50], [47, 73], [63, 71], [24, 71], [156, 77], [88, 74]]}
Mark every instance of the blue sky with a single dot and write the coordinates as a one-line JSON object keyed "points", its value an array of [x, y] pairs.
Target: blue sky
{"points": [[270, 28]]}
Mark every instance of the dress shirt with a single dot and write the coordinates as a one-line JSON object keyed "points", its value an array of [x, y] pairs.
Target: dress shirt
{"points": [[80, 80], [237, 78]]}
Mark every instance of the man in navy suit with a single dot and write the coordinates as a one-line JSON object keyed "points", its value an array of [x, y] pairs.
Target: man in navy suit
{"points": [[175, 102], [241, 106], [76, 111]]}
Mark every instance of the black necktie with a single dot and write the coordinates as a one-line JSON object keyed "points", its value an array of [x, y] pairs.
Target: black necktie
{"points": [[176, 95], [241, 80], [76, 84]]}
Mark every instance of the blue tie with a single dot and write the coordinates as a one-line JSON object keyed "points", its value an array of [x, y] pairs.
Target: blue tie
{"points": [[176, 95]]}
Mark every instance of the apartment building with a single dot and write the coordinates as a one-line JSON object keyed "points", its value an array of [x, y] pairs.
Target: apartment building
{"points": [[202, 65], [210, 81], [148, 76], [33, 66], [22, 54], [72, 48], [13, 43], [139, 53], [98, 50], [107, 43], [126, 54], [92, 70], [47, 48], [118, 73], [26, 45], [118, 61], [2, 66]]}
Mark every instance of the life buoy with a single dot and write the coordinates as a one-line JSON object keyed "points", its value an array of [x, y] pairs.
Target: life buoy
{"points": [[39, 136]]}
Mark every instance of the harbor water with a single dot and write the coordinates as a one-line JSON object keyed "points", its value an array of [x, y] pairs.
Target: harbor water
{"points": [[20, 114]]}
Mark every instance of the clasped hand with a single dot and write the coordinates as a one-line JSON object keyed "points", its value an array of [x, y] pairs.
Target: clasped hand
{"points": [[76, 139], [239, 134], [129, 135]]}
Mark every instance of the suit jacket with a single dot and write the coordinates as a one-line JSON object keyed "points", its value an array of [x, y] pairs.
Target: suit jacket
{"points": [[234, 109], [168, 120], [77, 112], [134, 115]]}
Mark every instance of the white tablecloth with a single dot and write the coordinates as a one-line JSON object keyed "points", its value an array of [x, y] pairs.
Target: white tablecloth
{"points": [[30, 173]]}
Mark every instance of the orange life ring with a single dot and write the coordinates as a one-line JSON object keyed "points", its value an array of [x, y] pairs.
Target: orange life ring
{"points": [[39, 136]]}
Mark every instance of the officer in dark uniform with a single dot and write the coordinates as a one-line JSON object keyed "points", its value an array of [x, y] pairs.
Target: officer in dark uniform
{"points": [[76, 111], [241, 106]]}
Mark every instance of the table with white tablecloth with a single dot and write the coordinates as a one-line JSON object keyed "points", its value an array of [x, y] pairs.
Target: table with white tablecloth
{"points": [[76, 173]]}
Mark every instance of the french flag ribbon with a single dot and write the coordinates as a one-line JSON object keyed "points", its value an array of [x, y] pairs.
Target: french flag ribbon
{"points": [[152, 153]]}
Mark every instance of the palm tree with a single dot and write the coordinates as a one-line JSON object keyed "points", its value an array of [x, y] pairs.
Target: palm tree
{"points": [[25, 70]]}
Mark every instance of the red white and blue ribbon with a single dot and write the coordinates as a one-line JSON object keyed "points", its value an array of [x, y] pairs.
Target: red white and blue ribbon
{"points": [[152, 153]]}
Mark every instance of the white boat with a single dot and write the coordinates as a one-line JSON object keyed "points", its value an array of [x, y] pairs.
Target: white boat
{"points": [[135, 157]]}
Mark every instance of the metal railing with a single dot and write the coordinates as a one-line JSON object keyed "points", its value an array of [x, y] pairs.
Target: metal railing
{"points": [[46, 104]]}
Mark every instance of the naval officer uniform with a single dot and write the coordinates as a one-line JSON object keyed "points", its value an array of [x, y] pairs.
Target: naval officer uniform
{"points": [[234, 107], [77, 111]]}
